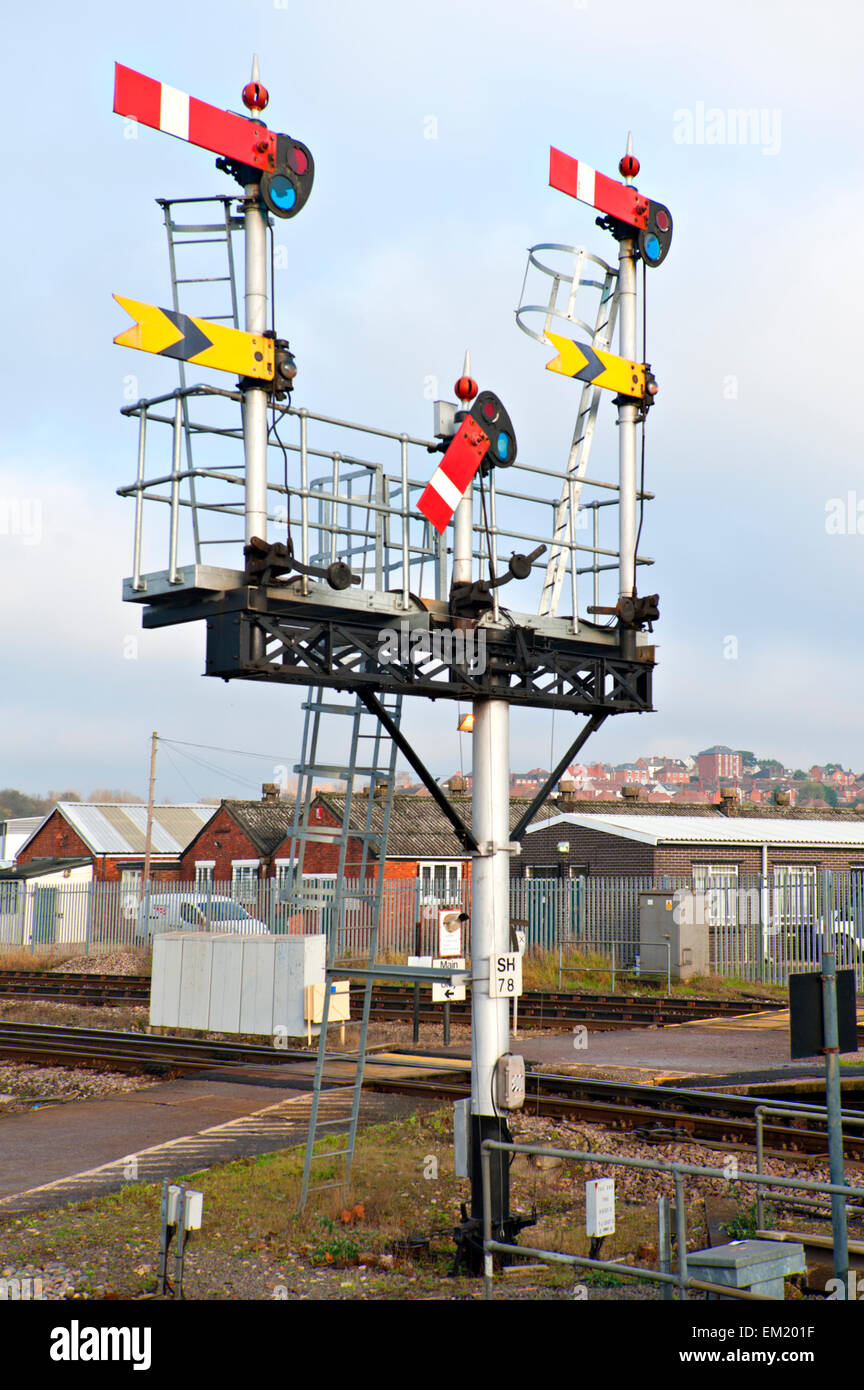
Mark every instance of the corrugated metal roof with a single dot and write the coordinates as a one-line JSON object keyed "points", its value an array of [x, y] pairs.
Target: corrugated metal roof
{"points": [[267, 823], [717, 829], [122, 829], [23, 825], [418, 828]]}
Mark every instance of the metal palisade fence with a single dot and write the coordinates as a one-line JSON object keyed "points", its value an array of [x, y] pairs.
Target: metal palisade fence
{"points": [[757, 928]]}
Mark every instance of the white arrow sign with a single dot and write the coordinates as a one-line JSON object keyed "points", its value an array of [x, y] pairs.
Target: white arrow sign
{"points": [[448, 993]]}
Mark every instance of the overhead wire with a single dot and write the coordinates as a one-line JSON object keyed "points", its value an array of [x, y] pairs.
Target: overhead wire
{"points": [[216, 748]]}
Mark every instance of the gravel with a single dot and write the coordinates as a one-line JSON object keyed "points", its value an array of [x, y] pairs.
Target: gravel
{"points": [[645, 1185], [109, 963], [24, 1087]]}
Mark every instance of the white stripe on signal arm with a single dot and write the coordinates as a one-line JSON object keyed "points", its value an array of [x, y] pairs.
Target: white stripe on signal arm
{"points": [[174, 112], [446, 488], [585, 182]]}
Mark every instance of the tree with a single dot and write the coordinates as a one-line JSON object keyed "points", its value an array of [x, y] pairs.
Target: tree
{"points": [[15, 805], [816, 792], [771, 767], [54, 797], [113, 794]]}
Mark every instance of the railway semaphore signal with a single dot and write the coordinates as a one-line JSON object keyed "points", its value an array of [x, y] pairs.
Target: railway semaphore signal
{"points": [[619, 201], [249, 150], [311, 610], [484, 440]]}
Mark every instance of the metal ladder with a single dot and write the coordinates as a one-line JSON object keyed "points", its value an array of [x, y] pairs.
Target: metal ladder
{"points": [[372, 757], [181, 234], [577, 460]]}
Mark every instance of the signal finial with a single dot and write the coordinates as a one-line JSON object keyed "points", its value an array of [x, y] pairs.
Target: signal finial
{"points": [[628, 167], [466, 387], [255, 96]]}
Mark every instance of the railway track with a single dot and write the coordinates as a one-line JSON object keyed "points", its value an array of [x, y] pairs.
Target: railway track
{"points": [[42, 1044], [72, 988], [651, 1112], [538, 1009], [394, 1005]]}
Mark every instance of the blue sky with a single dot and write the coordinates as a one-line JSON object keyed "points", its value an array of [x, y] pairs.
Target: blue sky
{"points": [[409, 249]]}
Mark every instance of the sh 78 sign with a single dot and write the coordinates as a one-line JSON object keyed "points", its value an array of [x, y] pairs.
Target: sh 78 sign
{"points": [[507, 975]]}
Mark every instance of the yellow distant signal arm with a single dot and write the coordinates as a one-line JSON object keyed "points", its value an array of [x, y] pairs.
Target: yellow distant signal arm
{"points": [[585, 363], [200, 341]]}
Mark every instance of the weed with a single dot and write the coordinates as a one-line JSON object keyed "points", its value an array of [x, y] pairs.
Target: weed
{"points": [[601, 1279], [745, 1225], [334, 1249]]}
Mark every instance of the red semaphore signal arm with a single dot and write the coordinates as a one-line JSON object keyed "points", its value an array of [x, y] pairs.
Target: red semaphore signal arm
{"points": [[164, 108], [619, 201], [616, 199]]}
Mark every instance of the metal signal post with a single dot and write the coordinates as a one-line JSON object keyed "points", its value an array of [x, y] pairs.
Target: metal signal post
{"points": [[255, 397], [490, 899], [628, 411]]}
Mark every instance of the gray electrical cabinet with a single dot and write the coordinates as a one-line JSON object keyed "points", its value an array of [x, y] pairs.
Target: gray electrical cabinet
{"points": [[673, 929], [230, 983]]}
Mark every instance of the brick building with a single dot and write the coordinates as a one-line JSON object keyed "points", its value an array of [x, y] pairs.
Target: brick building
{"points": [[698, 841], [718, 764], [113, 838], [245, 842]]}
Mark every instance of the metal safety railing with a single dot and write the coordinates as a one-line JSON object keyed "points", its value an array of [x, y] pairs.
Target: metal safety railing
{"points": [[760, 934], [336, 500], [792, 1111], [678, 1171]]}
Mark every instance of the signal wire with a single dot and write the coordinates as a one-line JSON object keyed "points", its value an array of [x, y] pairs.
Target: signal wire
{"points": [[642, 469]]}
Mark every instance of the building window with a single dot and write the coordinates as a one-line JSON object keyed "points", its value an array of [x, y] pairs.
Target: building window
{"points": [[559, 870], [440, 882], [719, 883], [794, 907], [204, 875], [286, 873], [131, 881], [9, 895], [244, 880]]}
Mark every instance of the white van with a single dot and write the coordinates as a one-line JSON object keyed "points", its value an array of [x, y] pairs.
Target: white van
{"points": [[196, 912]]}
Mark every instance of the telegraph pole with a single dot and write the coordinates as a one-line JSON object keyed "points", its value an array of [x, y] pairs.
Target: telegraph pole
{"points": [[148, 836]]}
